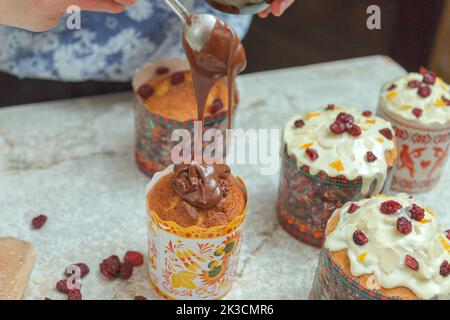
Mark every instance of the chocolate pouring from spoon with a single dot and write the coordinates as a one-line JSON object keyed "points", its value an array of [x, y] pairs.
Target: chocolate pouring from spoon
{"points": [[214, 51]]}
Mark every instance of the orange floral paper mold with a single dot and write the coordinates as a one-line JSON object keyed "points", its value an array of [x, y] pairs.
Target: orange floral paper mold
{"points": [[423, 154], [193, 262], [153, 131]]}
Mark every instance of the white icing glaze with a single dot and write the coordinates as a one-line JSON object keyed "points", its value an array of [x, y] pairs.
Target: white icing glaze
{"points": [[387, 247], [350, 151], [403, 99]]}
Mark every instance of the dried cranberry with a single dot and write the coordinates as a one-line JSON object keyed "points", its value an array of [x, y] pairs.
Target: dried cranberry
{"points": [[84, 269], [299, 123], [444, 269], [392, 87], [62, 286], [162, 70], [411, 263], [423, 70], [447, 234], [387, 133], [414, 84], [145, 91], [331, 107], [312, 154], [354, 131], [447, 101], [140, 298], [134, 257], [126, 270], [367, 113], [370, 157], [338, 127], [417, 112], [424, 91], [39, 221], [353, 207], [217, 105], [110, 267], [177, 78], [360, 238], [104, 271], [390, 207], [404, 225], [345, 118], [74, 294], [429, 77], [417, 213]]}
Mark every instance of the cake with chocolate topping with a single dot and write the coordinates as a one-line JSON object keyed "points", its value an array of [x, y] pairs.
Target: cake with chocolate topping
{"points": [[331, 156], [384, 248], [166, 102], [171, 95], [204, 196], [418, 106], [195, 215]]}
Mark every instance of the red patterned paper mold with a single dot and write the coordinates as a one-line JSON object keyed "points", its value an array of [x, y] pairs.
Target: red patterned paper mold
{"points": [[423, 154], [332, 283], [306, 201], [153, 132]]}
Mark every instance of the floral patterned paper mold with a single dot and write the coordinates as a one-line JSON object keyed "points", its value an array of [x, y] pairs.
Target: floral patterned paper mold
{"points": [[422, 126], [153, 131], [194, 262], [308, 196]]}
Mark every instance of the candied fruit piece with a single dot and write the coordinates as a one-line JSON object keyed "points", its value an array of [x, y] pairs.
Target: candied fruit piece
{"points": [[390, 207], [360, 238]]}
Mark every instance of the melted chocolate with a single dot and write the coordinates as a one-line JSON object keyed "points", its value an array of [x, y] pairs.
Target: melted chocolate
{"points": [[202, 186], [222, 55]]}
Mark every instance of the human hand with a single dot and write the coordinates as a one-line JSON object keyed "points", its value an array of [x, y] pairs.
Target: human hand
{"points": [[277, 8], [43, 15]]}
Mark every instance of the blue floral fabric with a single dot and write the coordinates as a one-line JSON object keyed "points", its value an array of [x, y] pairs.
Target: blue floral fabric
{"points": [[106, 47]]}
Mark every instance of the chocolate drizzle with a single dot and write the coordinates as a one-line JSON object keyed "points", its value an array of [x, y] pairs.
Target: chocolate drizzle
{"points": [[223, 55], [202, 186]]}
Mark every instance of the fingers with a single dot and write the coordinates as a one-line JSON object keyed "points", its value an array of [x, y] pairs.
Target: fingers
{"points": [[265, 13], [126, 2], [109, 6], [277, 9]]}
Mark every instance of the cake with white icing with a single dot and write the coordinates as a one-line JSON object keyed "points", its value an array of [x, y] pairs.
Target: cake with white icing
{"points": [[421, 99], [331, 156], [386, 247], [418, 106], [343, 142]]}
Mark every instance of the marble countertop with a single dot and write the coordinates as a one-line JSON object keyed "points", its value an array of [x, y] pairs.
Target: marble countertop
{"points": [[73, 160]]}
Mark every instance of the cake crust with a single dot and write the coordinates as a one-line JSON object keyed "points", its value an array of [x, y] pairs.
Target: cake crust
{"points": [[166, 203], [178, 101]]}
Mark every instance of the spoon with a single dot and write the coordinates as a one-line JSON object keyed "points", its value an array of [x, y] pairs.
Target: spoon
{"points": [[197, 27]]}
